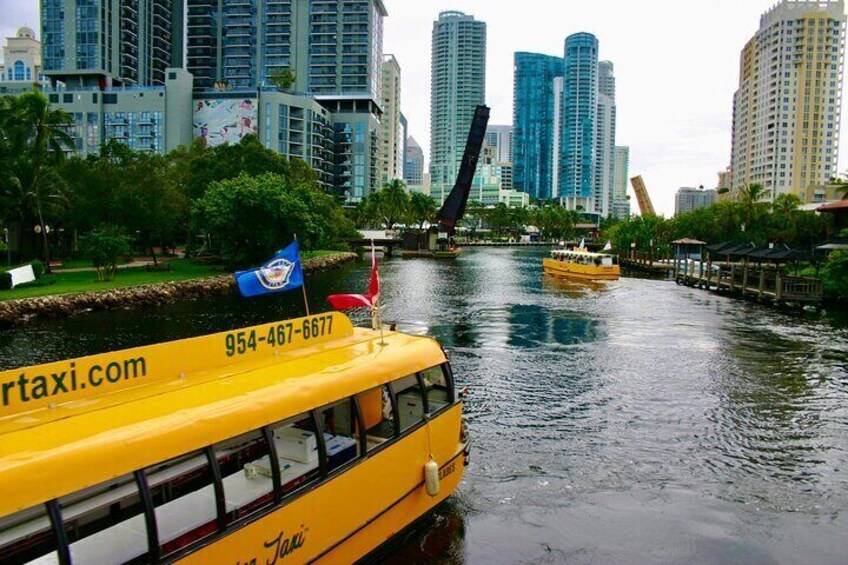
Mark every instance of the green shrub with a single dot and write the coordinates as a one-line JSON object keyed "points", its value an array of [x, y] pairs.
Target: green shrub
{"points": [[5, 280], [836, 275], [37, 268], [104, 246]]}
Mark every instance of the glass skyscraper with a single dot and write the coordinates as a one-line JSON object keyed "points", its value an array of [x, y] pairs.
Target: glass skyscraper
{"points": [[111, 42], [458, 86], [579, 121], [534, 114]]}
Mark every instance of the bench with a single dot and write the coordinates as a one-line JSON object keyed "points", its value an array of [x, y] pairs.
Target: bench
{"points": [[159, 267]]}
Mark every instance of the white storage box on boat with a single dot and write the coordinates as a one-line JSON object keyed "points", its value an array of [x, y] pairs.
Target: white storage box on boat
{"points": [[297, 445]]}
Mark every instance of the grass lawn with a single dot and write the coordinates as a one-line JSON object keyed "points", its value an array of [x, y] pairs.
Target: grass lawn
{"points": [[66, 283]]}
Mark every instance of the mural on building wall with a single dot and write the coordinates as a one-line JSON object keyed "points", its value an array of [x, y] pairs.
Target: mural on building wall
{"points": [[225, 121]]}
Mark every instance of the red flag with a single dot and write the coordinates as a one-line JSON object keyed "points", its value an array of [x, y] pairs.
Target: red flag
{"points": [[367, 300]]}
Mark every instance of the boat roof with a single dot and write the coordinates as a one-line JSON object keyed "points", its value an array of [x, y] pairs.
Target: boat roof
{"points": [[188, 399], [582, 252]]}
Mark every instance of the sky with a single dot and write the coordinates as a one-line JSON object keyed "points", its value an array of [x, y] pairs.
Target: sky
{"points": [[676, 68]]}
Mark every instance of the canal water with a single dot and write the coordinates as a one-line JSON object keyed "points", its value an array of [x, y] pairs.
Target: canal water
{"points": [[635, 422]]}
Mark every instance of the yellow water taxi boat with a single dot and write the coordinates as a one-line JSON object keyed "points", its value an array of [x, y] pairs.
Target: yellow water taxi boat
{"points": [[578, 263], [307, 440]]}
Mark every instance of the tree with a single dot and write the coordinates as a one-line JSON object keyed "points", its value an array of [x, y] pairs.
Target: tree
{"points": [[282, 78], [132, 189], [422, 209], [393, 204], [34, 142], [555, 222], [249, 218], [750, 197], [103, 246]]}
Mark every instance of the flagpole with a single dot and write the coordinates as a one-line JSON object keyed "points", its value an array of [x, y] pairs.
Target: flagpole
{"points": [[303, 276]]}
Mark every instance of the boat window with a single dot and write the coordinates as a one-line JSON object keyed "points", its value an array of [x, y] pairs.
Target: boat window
{"points": [[436, 386], [338, 425], [296, 443], [27, 536], [184, 500], [410, 401], [246, 487], [606, 261], [105, 523], [378, 415]]}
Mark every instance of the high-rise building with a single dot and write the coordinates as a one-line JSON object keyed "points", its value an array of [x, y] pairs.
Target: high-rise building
{"points": [[21, 67], [579, 122], [786, 112], [331, 47], [559, 87], [620, 203], [324, 51], [404, 133], [725, 179], [534, 117], [458, 86], [689, 199], [500, 137], [414, 166], [111, 42], [391, 130], [605, 140]]}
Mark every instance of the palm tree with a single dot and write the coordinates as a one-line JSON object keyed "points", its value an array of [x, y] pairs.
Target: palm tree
{"points": [[750, 197], [35, 140], [422, 209], [394, 203], [785, 207]]}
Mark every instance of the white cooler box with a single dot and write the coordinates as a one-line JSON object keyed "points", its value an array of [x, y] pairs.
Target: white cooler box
{"points": [[411, 408], [297, 445]]}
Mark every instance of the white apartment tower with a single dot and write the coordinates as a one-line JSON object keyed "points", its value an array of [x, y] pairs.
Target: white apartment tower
{"points": [[557, 147], [605, 140], [458, 86], [620, 204], [787, 109], [391, 131]]}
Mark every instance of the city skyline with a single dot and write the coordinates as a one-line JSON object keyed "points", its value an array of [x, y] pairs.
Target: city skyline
{"points": [[675, 105]]}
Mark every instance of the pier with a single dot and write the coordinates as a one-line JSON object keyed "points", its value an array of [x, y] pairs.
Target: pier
{"points": [[750, 272], [646, 263]]}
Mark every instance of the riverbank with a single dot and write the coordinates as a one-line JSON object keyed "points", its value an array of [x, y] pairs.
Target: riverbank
{"points": [[204, 283]]}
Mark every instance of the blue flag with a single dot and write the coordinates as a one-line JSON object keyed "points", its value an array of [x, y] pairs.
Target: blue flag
{"points": [[282, 272]]}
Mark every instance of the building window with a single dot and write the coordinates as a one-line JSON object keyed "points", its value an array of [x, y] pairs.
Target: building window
{"points": [[19, 70]]}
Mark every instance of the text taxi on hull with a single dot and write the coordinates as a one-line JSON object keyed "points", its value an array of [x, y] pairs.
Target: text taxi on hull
{"points": [[581, 264], [308, 440]]}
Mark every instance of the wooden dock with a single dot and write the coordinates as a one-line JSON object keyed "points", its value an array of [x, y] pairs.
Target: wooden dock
{"points": [[646, 263], [759, 283]]}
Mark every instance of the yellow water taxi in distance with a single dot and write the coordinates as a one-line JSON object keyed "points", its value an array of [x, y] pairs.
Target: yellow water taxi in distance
{"points": [[301, 441], [578, 263]]}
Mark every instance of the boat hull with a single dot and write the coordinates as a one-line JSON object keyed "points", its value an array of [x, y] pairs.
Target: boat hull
{"points": [[581, 272]]}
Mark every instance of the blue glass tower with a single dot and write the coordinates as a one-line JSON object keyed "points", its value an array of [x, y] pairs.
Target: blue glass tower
{"points": [[579, 121], [533, 119]]}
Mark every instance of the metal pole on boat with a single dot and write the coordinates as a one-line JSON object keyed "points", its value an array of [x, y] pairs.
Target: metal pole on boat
{"points": [[303, 286]]}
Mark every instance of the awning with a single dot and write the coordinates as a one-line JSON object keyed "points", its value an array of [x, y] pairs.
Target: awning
{"points": [[838, 206]]}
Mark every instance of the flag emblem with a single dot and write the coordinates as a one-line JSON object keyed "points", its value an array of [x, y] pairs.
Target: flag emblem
{"points": [[281, 272], [275, 274]]}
